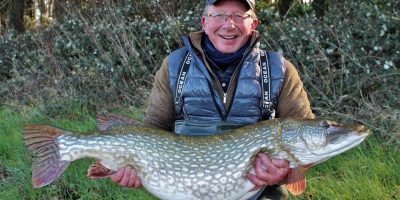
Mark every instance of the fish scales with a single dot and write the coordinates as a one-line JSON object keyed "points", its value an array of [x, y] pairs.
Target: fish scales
{"points": [[177, 162], [190, 167]]}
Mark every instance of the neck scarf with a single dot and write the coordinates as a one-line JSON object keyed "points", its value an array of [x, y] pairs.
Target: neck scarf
{"points": [[222, 58]]}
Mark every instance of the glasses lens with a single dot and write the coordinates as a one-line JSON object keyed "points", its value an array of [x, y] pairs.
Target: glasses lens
{"points": [[221, 17]]}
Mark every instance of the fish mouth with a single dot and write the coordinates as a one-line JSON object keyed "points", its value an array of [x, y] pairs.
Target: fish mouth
{"points": [[339, 147], [361, 130], [345, 143], [315, 156]]}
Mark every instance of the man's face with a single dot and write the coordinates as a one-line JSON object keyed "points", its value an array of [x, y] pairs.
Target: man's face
{"points": [[231, 34]]}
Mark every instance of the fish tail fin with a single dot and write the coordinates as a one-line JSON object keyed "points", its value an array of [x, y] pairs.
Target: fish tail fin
{"points": [[41, 140]]}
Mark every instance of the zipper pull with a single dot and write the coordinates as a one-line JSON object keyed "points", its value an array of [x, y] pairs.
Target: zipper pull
{"points": [[224, 101]]}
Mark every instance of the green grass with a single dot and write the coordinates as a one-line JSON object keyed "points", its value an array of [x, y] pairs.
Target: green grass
{"points": [[370, 171], [15, 168]]}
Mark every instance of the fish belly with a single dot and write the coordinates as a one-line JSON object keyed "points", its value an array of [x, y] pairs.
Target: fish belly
{"points": [[191, 186]]}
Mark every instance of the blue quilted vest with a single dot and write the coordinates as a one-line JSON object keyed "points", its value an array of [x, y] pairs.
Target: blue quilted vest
{"points": [[201, 108]]}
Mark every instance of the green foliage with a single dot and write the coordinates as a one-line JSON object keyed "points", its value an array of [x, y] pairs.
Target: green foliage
{"points": [[264, 4], [104, 57], [349, 62]]}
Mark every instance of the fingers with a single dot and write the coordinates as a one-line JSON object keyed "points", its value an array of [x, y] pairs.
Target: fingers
{"points": [[264, 166], [274, 167], [268, 172], [258, 183], [127, 177], [138, 183], [118, 176], [279, 163]]}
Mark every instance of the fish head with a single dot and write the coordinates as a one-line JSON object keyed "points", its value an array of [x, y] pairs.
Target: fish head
{"points": [[314, 141]]}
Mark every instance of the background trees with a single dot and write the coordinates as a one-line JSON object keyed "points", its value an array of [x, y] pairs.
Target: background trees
{"points": [[26, 14], [104, 53], [77, 58]]}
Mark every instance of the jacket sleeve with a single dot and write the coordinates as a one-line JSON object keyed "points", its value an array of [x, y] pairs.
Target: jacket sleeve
{"points": [[160, 111], [293, 100]]}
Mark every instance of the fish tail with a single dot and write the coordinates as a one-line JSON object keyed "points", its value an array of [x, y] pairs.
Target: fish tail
{"points": [[41, 140]]}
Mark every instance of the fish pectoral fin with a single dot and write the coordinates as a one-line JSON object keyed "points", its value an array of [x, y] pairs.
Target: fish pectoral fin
{"points": [[296, 181], [108, 121], [97, 170]]}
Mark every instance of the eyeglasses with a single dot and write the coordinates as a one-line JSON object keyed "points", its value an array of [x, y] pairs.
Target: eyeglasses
{"points": [[222, 17]]}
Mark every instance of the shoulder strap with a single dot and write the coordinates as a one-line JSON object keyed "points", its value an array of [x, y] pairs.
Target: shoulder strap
{"points": [[267, 106], [180, 83]]}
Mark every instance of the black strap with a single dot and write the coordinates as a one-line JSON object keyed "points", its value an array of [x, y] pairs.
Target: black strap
{"points": [[180, 83], [267, 106]]}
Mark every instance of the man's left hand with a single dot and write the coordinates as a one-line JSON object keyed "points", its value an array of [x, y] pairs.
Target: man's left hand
{"points": [[268, 171]]}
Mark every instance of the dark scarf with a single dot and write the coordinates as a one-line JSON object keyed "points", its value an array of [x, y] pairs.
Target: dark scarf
{"points": [[222, 59]]}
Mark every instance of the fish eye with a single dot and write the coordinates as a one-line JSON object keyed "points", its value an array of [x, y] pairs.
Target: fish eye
{"points": [[325, 124]]}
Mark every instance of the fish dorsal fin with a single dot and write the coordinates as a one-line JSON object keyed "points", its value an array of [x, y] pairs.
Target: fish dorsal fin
{"points": [[97, 170], [108, 121], [296, 181]]}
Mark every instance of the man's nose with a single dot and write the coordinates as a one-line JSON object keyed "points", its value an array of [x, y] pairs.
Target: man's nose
{"points": [[229, 21]]}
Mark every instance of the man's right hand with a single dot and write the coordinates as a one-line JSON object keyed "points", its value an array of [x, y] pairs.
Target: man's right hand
{"points": [[127, 177]]}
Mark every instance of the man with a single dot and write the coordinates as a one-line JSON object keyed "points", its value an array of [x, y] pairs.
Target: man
{"points": [[222, 87]]}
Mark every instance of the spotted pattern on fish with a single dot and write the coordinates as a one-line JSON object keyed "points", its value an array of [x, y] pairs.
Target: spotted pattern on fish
{"points": [[188, 167], [161, 162]]}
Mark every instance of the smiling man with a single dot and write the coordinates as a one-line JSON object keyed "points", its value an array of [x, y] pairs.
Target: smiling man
{"points": [[221, 80], [229, 25]]}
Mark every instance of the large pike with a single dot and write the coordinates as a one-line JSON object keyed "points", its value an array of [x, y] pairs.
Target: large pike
{"points": [[175, 167]]}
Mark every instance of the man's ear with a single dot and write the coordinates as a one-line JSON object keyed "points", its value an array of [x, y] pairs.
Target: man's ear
{"points": [[254, 24], [203, 22]]}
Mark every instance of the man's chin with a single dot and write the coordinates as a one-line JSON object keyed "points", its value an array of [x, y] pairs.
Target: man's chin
{"points": [[227, 49]]}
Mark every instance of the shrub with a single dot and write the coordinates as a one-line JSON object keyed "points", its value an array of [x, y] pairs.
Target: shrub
{"points": [[349, 61], [105, 57]]}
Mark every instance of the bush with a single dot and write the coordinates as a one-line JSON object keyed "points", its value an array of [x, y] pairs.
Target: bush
{"points": [[349, 61], [105, 57]]}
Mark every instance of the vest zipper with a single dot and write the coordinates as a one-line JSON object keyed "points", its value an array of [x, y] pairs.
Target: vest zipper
{"points": [[233, 77], [224, 101], [221, 114]]}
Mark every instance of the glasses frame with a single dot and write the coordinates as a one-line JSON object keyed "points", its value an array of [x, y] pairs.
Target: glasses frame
{"points": [[236, 17]]}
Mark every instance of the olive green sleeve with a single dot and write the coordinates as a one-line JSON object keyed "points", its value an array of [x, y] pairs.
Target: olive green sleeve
{"points": [[160, 111], [293, 100]]}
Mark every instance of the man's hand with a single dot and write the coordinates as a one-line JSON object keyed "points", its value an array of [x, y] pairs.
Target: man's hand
{"points": [[127, 177], [268, 172]]}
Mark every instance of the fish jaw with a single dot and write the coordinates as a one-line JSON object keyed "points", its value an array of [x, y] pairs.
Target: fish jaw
{"points": [[324, 140], [332, 150]]}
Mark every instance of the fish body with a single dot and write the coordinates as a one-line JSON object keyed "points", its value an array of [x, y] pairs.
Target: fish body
{"points": [[175, 166]]}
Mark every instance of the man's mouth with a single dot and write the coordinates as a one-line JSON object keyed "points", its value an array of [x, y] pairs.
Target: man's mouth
{"points": [[229, 37]]}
